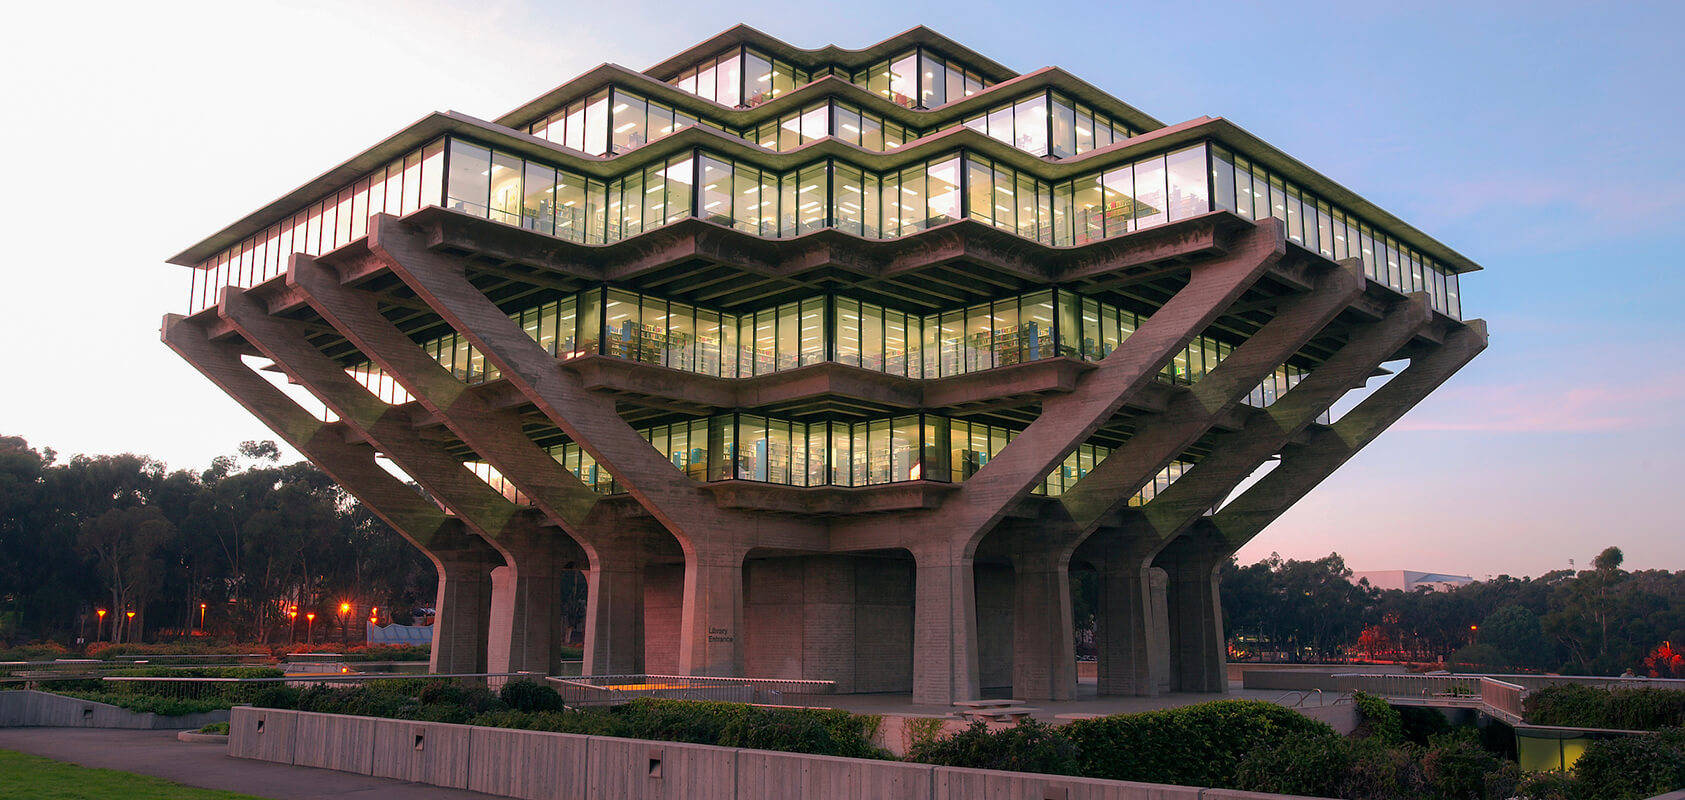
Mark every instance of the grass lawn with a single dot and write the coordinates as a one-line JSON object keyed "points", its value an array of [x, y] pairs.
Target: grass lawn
{"points": [[36, 778]]}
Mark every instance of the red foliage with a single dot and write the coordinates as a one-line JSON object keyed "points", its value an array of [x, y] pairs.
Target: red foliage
{"points": [[1665, 662]]}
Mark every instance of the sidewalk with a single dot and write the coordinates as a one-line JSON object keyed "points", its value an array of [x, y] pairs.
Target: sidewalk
{"points": [[206, 766]]}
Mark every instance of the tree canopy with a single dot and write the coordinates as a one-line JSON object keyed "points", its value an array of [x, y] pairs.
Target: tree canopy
{"points": [[249, 537]]}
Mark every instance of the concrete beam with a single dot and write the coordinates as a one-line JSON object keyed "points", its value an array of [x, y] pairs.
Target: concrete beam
{"points": [[534, 556], [463, 561], [1159, 440]]}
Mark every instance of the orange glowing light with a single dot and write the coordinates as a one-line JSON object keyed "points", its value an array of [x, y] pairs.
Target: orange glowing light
{"points": [[310, 617], [131, 614], [344, 608], [100, 612]]}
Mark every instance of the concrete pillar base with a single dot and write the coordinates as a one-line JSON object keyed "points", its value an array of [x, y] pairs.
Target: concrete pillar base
{"points": [[1043, 651], [462, 612]]}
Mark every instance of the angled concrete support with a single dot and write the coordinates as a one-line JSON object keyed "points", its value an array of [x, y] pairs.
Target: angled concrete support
{"points": [[614, 604], [714, 539], [528, 600], [1305, 466], [1067, 420], [463, 561], [1238, 454], [1109, 486]]}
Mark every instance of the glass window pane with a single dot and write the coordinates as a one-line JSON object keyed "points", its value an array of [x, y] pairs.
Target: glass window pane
{"points": [[469, 184], [1030, 120], [1189, 193]]}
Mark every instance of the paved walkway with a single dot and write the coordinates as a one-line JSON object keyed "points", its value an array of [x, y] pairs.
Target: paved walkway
{"points": [[206, 765]]}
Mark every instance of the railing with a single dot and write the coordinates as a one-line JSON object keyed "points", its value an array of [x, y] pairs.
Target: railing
{"points": [[1502, 699], [613, 689], [1497, 698], [234, 688]]}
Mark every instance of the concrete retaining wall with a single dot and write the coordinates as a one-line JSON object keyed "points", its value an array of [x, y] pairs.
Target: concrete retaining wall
{"points": [[538, 765], [32, 709]]}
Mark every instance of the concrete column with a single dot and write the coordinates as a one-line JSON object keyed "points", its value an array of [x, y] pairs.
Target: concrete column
{"points": [[614, 616], [1158, 628], [1122, 634], [711, 634], [1198, 651], [462, 614], [945, 665], [1043, 651], [527, 608]]}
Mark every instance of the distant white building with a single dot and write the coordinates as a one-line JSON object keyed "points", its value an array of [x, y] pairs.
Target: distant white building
{"points": [[1409, 580]]}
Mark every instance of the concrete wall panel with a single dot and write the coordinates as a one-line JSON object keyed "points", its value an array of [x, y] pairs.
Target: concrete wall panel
{"points": [[422, 752], [981, 784], [632, 769], [333, 741], [883, 625], [534, 765], [994, 583], [265, 734], [763, 774]]}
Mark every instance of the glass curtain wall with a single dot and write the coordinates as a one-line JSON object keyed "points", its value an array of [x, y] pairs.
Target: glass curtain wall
{"points": [[611, 120], [399, 187], [1254, 192], [830, 118], [920, 78], [749, 447], [740, 76], [1148, 192]]}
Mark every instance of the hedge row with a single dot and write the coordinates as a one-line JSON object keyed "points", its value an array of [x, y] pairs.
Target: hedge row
{"points": [[1579, 706]]}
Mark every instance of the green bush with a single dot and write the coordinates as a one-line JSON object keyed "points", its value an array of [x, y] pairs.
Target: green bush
{"points": [[589, 722], [1422, 724], [162, 705], [525, 695], [1551, 785], [1308, 765], [1199, 745], [1379, 772], [215, 728], [1029, 746], [1579, 706], [1377, 720], [1633, 766], [1456, 767]]}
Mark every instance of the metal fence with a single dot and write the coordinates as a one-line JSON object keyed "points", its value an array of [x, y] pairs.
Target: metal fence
{"points": [[243, 688], [1497, 698], [596, 690]]}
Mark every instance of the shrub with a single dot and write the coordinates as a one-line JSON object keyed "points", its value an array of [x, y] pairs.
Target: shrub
{"points": [[1456, 767], [1379, 772], [1199, 745], [1029, 746], [1590, 707], [215, 728], [1422, 724], [1377, 720], [589, 722], [1311, 765], [1633, 766], [161, 705], [525, 695], [1551, 785]]}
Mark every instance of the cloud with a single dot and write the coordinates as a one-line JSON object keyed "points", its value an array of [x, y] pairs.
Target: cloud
{"points": [[1555, 406]]}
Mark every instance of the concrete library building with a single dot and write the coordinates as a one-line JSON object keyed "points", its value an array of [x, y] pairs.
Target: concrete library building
{"points": [[828, 364]]}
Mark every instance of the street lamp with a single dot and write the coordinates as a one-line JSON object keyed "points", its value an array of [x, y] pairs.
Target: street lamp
{"points": [[201, 617], [292, 624], [344, 624], [129, 629], [309, 627], [99, 630]]}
